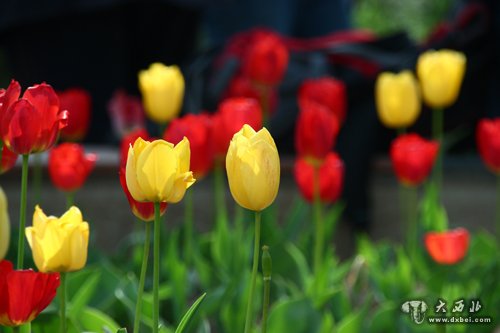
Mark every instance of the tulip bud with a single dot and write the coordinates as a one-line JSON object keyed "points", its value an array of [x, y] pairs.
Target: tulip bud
{"points": [[162, 89], [488, 143], [267, 264], [4, 225], [397, 98], [78, 103], [253, 168], [447, 247], [441, 74]]}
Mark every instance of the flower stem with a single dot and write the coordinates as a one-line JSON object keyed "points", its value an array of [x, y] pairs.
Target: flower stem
{"points": [[318, 219], [411, 207], [437, 134], [26, 328], [266, 272], [142, 278], [401, 131], [70, 199], [256, 248], [156, 268], [62, 305], [37, 177], [220, 200], [188, 227], [22, 212]]}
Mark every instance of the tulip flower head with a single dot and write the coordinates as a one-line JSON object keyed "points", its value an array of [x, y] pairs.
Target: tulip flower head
{"points": [[441, 74], [78, 103], [488, 143], [162, 89], [447, 247], [158, 171], [24, 293], [58, 244], [69, 166], [413, 158], [398, 99], [253, 168], [4, 225], [32, 123], [126, 113], [8, 161], [128, 140]]}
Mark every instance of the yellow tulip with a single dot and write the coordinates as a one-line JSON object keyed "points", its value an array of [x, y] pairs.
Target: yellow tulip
{"points": [[58, 244], [441, 74], [162, 89], [157, 171], [253, 168], [4, 225], [397, 98]]}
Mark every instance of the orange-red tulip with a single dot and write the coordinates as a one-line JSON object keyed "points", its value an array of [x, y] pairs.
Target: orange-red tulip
{"points": [[447, 247], [78, 103], [488, 143], [9, 159]]}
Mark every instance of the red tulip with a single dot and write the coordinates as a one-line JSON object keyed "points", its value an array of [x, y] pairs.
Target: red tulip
{"points": [[331, 178], [447, 247], [128, 140], [241, 86], [326, 91], [266, 58], [315, 131], [126, 113], [78, 103], [9, 159], [24, 293], [32, 123], [233, 113], [142, 210], [197, 128], [413, 158], [488, 143], [69, 166]]}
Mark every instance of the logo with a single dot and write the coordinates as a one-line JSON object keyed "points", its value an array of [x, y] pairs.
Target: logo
{"points": [[416, 309]]}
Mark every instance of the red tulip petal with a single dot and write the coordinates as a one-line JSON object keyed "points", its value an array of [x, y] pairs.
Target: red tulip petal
{"points": [[21, 128]]}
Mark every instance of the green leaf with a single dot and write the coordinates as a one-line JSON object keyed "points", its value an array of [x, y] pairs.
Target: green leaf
{"points": [[351, 324], [294, 316], [300, 261], [83, 295], [189, 314], [122, 330], [96, 321]]}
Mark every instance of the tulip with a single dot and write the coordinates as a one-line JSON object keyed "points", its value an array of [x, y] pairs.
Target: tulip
{"points": [[162, 89], [58, 244], [326, 91], [488, 143], [397, 98], [331, 178], [24, 294], [32, 123], [142, 210], [413, 158], [126, 113], [78, 102], [157, 171], [197, 128], [69, 166], [128, 140], [4, 225], [253, 168], [242, 86], [315, 131], [441, 74], [448, 247], [232, 114], [8, 161], [266, 59]]}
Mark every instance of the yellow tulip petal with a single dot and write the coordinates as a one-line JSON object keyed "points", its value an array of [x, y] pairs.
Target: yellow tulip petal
{"points": [[72, 216], [78, 242], [131, 177], [4, 225], [184, 154]]}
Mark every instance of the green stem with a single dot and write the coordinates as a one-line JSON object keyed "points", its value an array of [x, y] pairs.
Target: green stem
{"points": [[220, 200], [37, 177], [142, 278], [62, 300], [266, 272], [437, 134], [22, 212], [188, 227], [412, 207], [26, 328], [156, 268], [498, 207], [319, 223], [401, 130], [70, 199], [256, 248], [265, 103]]}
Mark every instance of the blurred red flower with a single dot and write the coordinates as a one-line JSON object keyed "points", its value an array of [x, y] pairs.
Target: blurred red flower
{"points": [[126, 113], [315, 131], [327, 91], [413, 158], [448, 247], [24, 293], [241, 86], [128, 140], [266, 58], [331, 178], [197, 128], [142, 210], [9, 159], [78, 103], [69, 166], [232, 114], [488, 143]]}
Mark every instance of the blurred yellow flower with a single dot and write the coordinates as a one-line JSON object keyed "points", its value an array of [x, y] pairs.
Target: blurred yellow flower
{"points": [[441, 74], [4, 225], [157, 171], [253, 168], [162, 89], [58, 244], [397, 98]]}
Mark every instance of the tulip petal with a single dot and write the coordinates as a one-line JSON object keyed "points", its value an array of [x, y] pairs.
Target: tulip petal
{"points": [[131, 177], [78, 246], [184, 154], [46, 101]]}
